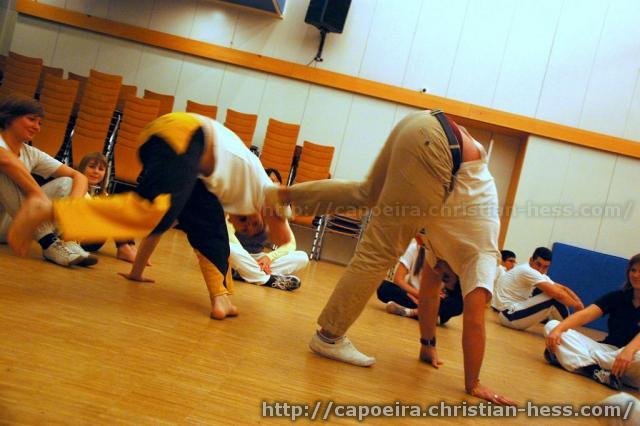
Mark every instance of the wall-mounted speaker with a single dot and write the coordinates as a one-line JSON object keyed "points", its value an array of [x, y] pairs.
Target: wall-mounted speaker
{"points": [[328, 15]]}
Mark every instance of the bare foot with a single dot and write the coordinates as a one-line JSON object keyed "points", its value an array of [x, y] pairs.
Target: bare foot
{"points": [[32, 213], [222, 308], [127, 252], [483, 392]]}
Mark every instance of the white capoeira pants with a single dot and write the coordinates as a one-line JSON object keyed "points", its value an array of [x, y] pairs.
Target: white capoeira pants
{"points": [[532, 311], [247, 266], [577, 350]]}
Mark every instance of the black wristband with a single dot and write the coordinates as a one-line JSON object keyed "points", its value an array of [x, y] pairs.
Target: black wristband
{"points": [[428, 342]]}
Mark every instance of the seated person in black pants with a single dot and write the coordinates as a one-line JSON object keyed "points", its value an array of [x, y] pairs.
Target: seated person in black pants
{"points": [[400, 290]]}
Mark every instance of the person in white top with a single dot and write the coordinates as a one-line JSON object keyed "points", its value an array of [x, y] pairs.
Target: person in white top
{"points": [[20, 121], [526, 296], [430, 174], [252, 264]]}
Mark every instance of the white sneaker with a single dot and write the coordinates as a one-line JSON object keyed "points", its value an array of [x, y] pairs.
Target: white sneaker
{"points": [[87, 258], [342, 350], [59, 253]]}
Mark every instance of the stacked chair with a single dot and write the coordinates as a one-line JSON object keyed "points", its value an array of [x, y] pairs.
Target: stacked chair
{"points": [[166, 101], [279, 147], [210, 111], [242, 124], [21, 75]]}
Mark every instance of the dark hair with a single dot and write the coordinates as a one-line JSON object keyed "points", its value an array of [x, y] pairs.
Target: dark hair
{"points": [[543, 253], [275, 172], [14, 106], [633, 261], [98, 158], [506, 254]]}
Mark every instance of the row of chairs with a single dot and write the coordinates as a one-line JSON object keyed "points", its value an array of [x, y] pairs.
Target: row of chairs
{"points": [[99, 113]]}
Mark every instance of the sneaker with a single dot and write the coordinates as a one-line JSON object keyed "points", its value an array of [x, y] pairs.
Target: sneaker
{"points": [[341, 350], [606, 378], [59, 253], [395, 309], [284, 282], [551, 358], [87, 258]]}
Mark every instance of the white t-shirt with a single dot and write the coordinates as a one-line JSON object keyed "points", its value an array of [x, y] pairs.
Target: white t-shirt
{"points": [[408, 259], [238, 179], [36, 161], [468, 242], [517, 285]]}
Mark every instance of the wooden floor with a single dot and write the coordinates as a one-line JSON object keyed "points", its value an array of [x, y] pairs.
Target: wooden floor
{"points": [[84, 346]]}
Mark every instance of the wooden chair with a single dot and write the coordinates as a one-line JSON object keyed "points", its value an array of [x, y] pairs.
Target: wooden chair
{"points": [[21, 75], [279, 146], [82, 83], [58, 72], [137, 113], [166, 101], [94, 116], [57, 97], [125, 92], [242, 124], [210, 111]]}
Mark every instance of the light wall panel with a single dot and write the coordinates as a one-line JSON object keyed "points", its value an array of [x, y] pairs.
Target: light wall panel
{"points": [[76, 50], [242, 90], [159, 71], [27, 30], [527, 53], [632, 126], [571, 61], [120, 57], [615, 70], [200, 81], [90, 7], [173, 16], [131, 12], [481, 51], [214, 23]]}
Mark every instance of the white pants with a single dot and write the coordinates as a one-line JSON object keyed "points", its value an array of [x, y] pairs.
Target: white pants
{"points": [[577, 350], [533, 311], [247, 266], [622, 400], [12, 197]]}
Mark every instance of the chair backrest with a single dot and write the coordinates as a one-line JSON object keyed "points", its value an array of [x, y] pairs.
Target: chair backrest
{"points": [[166, 101], [21, 75], [57, 97], [137, 113], [315, 162], [58, 72], [125, 92], [3, 62], [210, 111], [242, 124], [94, 116], [82, 80], [279, 146]]}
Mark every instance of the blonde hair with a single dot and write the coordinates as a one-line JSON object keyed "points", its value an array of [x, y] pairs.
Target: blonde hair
{"points": [[96, 158]]}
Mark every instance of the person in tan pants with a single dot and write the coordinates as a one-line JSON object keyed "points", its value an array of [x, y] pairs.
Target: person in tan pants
{"points": [[414, 183]]}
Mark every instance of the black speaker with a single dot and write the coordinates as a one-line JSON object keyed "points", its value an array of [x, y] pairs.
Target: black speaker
{"points": [[328, 15]]}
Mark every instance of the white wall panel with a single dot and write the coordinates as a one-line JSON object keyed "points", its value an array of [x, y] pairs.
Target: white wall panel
{"points": [[76, 50], [632, 127], [8, 19], [90, 7], [57, 3], [200, 81], [368, 126], [35, 38], [173, 16], [571, 61], [390, 38], [255, 32], [526, 56], [586, 187], [325, 118], [120, 57], [131, 12], [481, 51], [242, 90], [504, 153], [295, 40], [401, 112], [540, 189], [214, 23], [159, 71], [615, 70], [435, 45], [343, 52], [283, 100], [621, 235]]}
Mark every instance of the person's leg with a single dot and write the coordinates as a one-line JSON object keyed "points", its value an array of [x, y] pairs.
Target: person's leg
{"points": [[605, 356], [246, 265], [533, 311], [290, 263], [575, 350], [389, 292], [5, 221]]}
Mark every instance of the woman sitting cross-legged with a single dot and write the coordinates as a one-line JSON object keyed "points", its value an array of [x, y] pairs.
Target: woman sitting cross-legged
{"points": [[615, 360]]}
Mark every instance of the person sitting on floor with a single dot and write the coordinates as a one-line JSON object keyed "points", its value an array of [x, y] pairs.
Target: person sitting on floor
{"points": [[614, 361], [526, 296], [507, 262], [20, 120], [94, 167], [400, 290], [249, 261]]}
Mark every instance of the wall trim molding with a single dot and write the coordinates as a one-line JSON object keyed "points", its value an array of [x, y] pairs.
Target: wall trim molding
{"points": [[465, 113]]}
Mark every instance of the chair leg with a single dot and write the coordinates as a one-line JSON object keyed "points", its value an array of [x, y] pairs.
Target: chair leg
{"points": [[318, 238]]}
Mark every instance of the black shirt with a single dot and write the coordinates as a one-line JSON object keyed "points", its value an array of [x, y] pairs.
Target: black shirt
{"points": [[624, 318]]}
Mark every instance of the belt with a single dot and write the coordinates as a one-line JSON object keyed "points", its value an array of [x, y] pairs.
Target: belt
{"points": [[455, 146]]}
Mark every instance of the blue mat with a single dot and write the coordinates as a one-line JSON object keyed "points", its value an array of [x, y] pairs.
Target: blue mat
{"points": [[590, 274]]}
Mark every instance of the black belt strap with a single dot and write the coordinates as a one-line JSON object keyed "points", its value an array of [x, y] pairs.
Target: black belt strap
{"points": [[454, 144]]}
